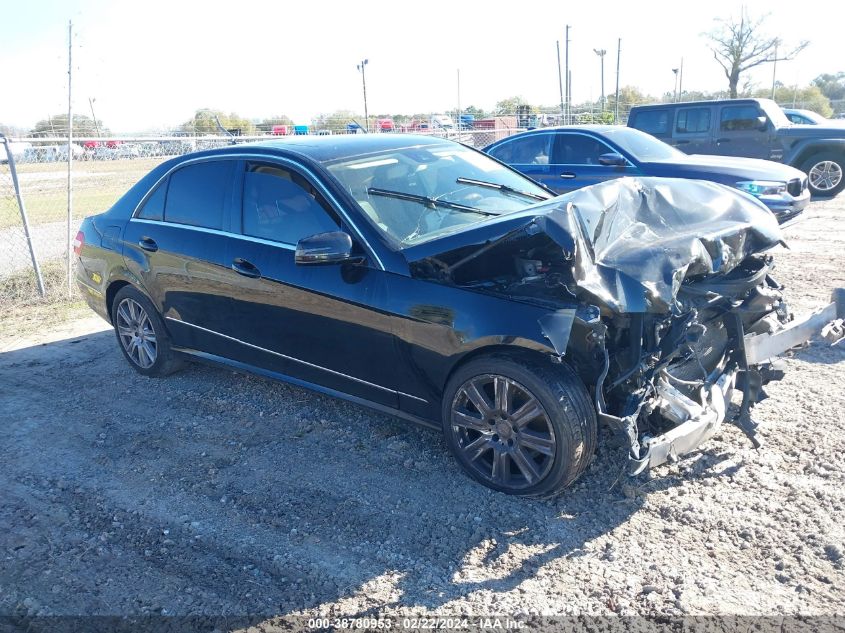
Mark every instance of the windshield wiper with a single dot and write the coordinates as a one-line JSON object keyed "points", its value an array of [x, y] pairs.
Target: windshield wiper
{"points": [[500, 187], [431, 202]]}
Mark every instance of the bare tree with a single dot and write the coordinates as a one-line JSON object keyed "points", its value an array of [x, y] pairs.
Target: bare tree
{"points": [[738, 46]]}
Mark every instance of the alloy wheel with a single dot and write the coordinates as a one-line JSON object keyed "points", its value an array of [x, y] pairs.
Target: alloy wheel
{"points": [[825, 175], [503, 431], [136, 333]]}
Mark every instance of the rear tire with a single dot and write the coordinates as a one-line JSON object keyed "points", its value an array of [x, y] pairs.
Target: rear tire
{"points": [[519, 426], [141, 334], [826, 172]]}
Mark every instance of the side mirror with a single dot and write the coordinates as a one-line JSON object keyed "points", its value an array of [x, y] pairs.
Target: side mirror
{"points": [[326, 248], [762, 123], [612, 159]]}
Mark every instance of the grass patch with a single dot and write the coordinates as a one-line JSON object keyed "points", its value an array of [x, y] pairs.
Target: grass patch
{"points": [[20, 289], [26, 311]]}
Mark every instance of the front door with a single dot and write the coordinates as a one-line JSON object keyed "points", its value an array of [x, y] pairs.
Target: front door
{"points": [[317, 323]]}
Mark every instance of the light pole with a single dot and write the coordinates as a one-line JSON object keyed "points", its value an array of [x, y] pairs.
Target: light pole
{"points": [[601, 53], [364, 82], [675, 96]]}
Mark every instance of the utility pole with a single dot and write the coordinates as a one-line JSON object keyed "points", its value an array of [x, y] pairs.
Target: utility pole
{"points": [[458, 120], [601, 53], [364, 82], [681, 82], [675, 95], [560, 80], [618, 57], [568, 76], [69, 243], [775, 68]]}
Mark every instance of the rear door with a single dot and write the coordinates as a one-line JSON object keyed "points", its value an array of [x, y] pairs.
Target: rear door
{"points": [[693, 130], [175, 244], [740, 133], [528, 154]]}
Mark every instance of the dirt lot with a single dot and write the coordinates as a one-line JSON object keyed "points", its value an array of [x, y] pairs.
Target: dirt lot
{"points": [[216, 493]]}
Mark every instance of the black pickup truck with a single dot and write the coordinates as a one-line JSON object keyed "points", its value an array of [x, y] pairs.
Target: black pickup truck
{"points": [[756, 128]]}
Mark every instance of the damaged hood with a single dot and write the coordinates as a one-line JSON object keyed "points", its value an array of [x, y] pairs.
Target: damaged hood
{"points": [[657, 232], [632, 242]]}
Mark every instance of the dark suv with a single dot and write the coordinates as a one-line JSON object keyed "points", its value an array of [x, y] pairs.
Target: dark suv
{"points": [[755, 128]]}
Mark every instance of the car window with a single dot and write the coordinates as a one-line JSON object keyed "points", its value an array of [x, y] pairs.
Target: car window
{"points": [[652, 121], [430, 181], [196, 194], [153, 208], [531, 149], [281, 205], [693, 120], [578, 149], [738, 118]]}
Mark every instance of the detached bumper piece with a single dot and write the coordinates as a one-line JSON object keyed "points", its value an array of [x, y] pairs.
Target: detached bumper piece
{"points": [[696, 422], [830, 321]]}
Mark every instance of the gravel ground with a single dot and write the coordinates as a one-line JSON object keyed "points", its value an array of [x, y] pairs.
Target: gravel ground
{"points": [[212, 492]]}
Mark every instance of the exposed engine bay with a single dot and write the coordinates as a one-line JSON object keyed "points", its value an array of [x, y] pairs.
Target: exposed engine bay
{"points": [[671, 283]]}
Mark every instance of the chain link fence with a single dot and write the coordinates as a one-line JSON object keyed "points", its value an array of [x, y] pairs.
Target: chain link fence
{"points": [[35, 255]]}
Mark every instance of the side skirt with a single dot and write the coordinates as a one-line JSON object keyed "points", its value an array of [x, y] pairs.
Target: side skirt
{"points": [[213, 359]]}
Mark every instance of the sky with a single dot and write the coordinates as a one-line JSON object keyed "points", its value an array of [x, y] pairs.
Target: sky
{"points": [[149, 65]]}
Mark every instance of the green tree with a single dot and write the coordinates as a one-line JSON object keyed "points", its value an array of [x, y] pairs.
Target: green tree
{"points": [[740, 46], [832, 86], [336, 121], [83, 126], [478, 113], [205, 121], [808, 97], [509, 105], [266, 125], [628, 96]]}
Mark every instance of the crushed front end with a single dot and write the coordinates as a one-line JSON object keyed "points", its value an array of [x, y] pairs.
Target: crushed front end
{"points": [[661, 297], [690, 311], [668, 380]]}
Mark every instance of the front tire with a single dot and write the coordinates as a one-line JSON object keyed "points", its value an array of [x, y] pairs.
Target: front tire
{"points": [[519, 426], [141, 335], [826, 173]]}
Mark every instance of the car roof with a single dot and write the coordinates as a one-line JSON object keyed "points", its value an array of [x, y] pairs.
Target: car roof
{"points": [[335, 147], [575, 128], [708, 102]]}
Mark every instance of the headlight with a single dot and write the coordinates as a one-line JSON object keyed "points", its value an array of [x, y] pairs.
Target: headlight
{"points": [[762, 187]]}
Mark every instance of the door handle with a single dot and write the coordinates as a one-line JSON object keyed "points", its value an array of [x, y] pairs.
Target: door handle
{"points": [[681, 142], [245, 268], [148, 244], [568, 174], [723, 140]]}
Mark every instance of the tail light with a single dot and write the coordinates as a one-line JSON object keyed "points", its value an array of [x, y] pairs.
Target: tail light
{"points": [[78, 243]]}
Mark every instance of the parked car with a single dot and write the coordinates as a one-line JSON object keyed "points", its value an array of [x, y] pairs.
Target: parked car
{"points": [[571, 157], [424, 279], [385, 125], [754, 128], [805, 117]]}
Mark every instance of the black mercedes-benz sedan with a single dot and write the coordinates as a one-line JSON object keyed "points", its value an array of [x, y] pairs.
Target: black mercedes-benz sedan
{"points": [[425, 279]]}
